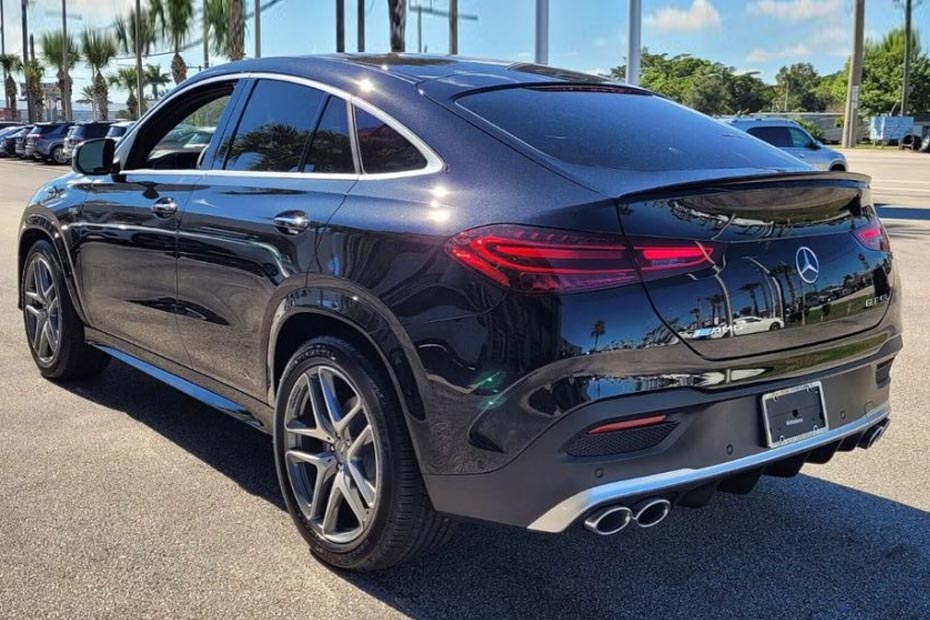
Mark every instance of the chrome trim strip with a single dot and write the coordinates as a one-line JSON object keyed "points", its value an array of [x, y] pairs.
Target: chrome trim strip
{"points": [[559, 517], [183, 385], [433, 162]]}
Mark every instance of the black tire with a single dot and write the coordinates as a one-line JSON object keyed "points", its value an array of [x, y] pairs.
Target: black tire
{"points": [[837, 168], [54, 155], [402, 524], [73, 358]]}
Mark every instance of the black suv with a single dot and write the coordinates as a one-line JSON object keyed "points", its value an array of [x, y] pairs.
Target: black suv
{"points": [[457, 288]]}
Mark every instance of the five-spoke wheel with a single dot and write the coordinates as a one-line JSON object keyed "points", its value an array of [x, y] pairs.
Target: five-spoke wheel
{"points": [[43, 309], [332, 454]]}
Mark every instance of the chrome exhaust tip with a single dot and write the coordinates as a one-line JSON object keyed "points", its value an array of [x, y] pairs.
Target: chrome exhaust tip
{"points": [[651, 512], [608, 520], [872, 435]]}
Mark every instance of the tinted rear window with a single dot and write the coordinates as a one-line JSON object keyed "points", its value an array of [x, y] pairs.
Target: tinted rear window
{"points": [[619, 129], [776, 136], [382, 148]]}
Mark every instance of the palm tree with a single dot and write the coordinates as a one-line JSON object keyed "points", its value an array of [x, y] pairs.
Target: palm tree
{"points": [[154, 77], [11, 64], [34, 71], [99, 50], [89, 96], [175, 18], [125, 78], [53, 47], [125, 28], [597, 330], [397, 12], [226, 27]]}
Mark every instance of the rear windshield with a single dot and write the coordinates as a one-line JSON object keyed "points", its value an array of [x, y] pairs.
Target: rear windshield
{"points": [[46, 129], [620, 129], [116, 131]]}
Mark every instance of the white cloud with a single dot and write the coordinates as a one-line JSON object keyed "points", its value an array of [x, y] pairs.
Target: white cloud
{"points": [[792, 51], [700, 15], [796, 10]]}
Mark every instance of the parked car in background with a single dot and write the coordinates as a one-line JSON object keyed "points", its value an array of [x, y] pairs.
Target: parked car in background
{"points": [[118, 129], [19, 148], [459, 288], [7, 124], [790, 137], [79, 132], [6, 134], [46, 142]]}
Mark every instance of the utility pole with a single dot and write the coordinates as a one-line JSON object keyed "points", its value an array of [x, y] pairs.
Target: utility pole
{"points": [[340, 26], [206, 37], [361, 25], [258, 28], [138, 28], [65, 53], [419, 28], [907, 56], [634, 42], [2, 31], [542, 32], [30, 104], [851, 123], [454, 27]]}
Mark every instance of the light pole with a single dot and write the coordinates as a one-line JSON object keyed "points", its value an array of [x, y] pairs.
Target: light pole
{"points": [[138, 27], [907, 56], [258, 28], [65, 53], [340, 26], [542, 32], [851, 122], [453, 27], [634, 41], [30, 103], [361, 25]]}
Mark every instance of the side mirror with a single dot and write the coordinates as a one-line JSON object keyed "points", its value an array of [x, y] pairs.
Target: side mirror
{"points": [[94, 157], [815, 145]]}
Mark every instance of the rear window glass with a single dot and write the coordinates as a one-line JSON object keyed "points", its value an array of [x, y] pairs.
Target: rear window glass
{"points": [[619, 129], [776, 136], [382, 148]]}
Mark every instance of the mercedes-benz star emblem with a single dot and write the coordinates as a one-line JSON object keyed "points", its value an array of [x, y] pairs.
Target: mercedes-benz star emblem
{"points": [[807, 264]]}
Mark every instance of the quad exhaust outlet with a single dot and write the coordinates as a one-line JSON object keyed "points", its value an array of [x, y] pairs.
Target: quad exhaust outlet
{"points": [[609, 520]]}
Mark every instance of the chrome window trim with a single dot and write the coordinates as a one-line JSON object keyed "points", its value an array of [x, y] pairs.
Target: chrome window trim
{"points": [[433, 162]]}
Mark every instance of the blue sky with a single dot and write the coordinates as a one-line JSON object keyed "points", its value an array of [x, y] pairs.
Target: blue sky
{"points": [[588, 35]]}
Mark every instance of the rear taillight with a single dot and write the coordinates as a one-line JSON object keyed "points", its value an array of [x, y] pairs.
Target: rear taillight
{"points": [[543, 260], [873, 236]]}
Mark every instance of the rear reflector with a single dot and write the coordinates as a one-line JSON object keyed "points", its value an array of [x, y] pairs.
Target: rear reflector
{"points": [[627, 425], [873, 236], [543, 260]]}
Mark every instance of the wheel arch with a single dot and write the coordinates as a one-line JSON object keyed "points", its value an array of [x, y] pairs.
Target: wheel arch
{"points": [[37, 228], [309, 313]]}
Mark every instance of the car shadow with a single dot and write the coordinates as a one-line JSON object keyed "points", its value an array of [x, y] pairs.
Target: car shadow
{"points": [[799, 548]]}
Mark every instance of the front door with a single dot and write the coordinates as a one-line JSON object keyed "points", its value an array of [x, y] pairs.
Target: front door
{"points": [[250, 239], [126, 236]]}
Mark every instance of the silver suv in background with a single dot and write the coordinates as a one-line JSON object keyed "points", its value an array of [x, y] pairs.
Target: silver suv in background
{"points": [[794, 140]]}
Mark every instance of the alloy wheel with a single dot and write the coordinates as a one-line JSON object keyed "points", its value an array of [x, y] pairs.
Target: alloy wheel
{"points": [[332, 454], [42, 308]]}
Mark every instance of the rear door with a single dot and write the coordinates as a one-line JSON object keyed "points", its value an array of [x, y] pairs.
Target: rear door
{"points": [[249, 238]]}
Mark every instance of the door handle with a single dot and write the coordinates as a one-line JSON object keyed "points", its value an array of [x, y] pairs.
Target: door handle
{"points": [[165, 207], [292, 222]]}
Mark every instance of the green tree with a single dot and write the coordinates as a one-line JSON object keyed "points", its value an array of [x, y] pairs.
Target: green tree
{"points": [[99, 50], [175, 18], [155, 77], [883, 73], [796, 88], [34, 72], [226, 27], [125, 32], [397, 19], [125, 79], [53, 52], [88, 96], [11, 64]]}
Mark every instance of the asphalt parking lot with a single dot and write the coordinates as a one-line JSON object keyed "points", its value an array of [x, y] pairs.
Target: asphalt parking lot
{"points": [[122, 498]]}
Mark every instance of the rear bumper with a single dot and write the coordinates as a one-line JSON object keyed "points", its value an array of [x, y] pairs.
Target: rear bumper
{"points": [[716, 441]]}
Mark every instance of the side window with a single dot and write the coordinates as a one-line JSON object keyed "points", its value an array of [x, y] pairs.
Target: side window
{"points": [[331, 148], [776, 136], [275, 128], [383, 149], [177, 136], [800, 139]]}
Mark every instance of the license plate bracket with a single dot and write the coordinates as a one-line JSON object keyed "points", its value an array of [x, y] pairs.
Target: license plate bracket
{"points": [[794, 413]]}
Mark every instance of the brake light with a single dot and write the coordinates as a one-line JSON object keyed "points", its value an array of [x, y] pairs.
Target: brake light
{"points": [[873, 236], [543, 260]]}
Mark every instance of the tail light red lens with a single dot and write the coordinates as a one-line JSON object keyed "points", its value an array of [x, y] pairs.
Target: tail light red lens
{"points": [[873, 236], [543, 260]]}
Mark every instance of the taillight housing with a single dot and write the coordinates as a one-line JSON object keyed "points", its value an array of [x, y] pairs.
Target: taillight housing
{"points": [[531, 259], [873, 236]]}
